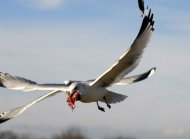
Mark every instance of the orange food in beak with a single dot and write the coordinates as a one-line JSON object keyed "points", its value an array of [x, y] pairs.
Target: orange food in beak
{"points": [[71, 99]]}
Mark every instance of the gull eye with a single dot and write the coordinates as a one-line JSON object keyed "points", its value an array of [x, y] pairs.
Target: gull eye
{"points": [[68, 82]]}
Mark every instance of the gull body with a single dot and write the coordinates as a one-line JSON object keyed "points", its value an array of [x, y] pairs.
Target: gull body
{"points": [[90, 94]]}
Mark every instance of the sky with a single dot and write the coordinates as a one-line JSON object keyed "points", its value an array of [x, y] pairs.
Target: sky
{"points": [[49, 41]]}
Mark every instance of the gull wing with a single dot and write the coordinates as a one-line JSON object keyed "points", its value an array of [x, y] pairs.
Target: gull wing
{"points": [[136, 78], [5, 116], [129, 60], [130, 80], [18, 83]]}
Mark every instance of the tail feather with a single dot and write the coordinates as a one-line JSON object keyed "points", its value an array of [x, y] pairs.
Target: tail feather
{"points": [[112, 97]]}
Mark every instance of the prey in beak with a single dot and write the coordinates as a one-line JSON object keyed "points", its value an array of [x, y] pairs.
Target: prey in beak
{"points": [[72, 98]]}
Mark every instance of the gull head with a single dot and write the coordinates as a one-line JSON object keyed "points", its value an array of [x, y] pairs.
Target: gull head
{"points": [[68, 82]]}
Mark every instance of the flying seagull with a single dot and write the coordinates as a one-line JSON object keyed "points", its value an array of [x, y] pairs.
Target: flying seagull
{"points": [[91, 90]]}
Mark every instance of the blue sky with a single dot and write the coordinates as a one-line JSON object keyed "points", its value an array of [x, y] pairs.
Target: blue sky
{"points": [[49, 41]]}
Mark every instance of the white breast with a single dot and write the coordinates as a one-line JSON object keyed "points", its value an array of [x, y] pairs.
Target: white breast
{"points": [[92, 94]]}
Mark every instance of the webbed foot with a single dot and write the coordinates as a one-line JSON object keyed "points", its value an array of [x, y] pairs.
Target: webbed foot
{"points": [[100, 108]]}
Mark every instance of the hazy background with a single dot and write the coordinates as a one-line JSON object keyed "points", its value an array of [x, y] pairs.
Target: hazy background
{"points": [[50, 41]]}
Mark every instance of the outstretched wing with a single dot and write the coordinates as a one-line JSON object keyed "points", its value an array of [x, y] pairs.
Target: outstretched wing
{"points": [[18, 83], [130, 80], [5, 116], [136, 78], [129, 60]]}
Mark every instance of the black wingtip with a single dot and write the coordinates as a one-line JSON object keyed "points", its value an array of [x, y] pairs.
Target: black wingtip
{"points": [[145, 75], [154, 68], [147, 20], [4, 120], [141, 5], [153, 23], [149, 13], [1, 82]]}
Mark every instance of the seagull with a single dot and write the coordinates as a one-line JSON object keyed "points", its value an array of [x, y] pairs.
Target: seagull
{"points": [[94, 90]]}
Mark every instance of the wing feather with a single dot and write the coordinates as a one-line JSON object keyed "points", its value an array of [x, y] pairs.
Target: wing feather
{"points": [[18, 83], [5, 116]]}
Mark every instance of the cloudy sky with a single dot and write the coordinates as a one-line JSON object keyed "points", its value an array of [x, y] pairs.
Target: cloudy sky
{"points": [[56, 40]]}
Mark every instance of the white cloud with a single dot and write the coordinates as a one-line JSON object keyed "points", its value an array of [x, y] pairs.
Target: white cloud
{"points": [[42, 4]]}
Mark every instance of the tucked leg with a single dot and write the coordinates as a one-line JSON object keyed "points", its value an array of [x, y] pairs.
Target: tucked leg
{"points": [[100, 108], [109, 106]]}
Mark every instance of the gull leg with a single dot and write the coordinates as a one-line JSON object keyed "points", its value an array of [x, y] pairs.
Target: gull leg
{"points": [[100, 108], [109, 106]]}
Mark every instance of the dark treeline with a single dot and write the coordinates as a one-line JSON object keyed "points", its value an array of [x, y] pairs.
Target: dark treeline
{"points": [[70, 134]]}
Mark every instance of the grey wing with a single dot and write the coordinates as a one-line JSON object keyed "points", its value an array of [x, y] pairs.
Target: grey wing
{"points": [[5, 116], [136, 78], [18, 83], [129, 60]]}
